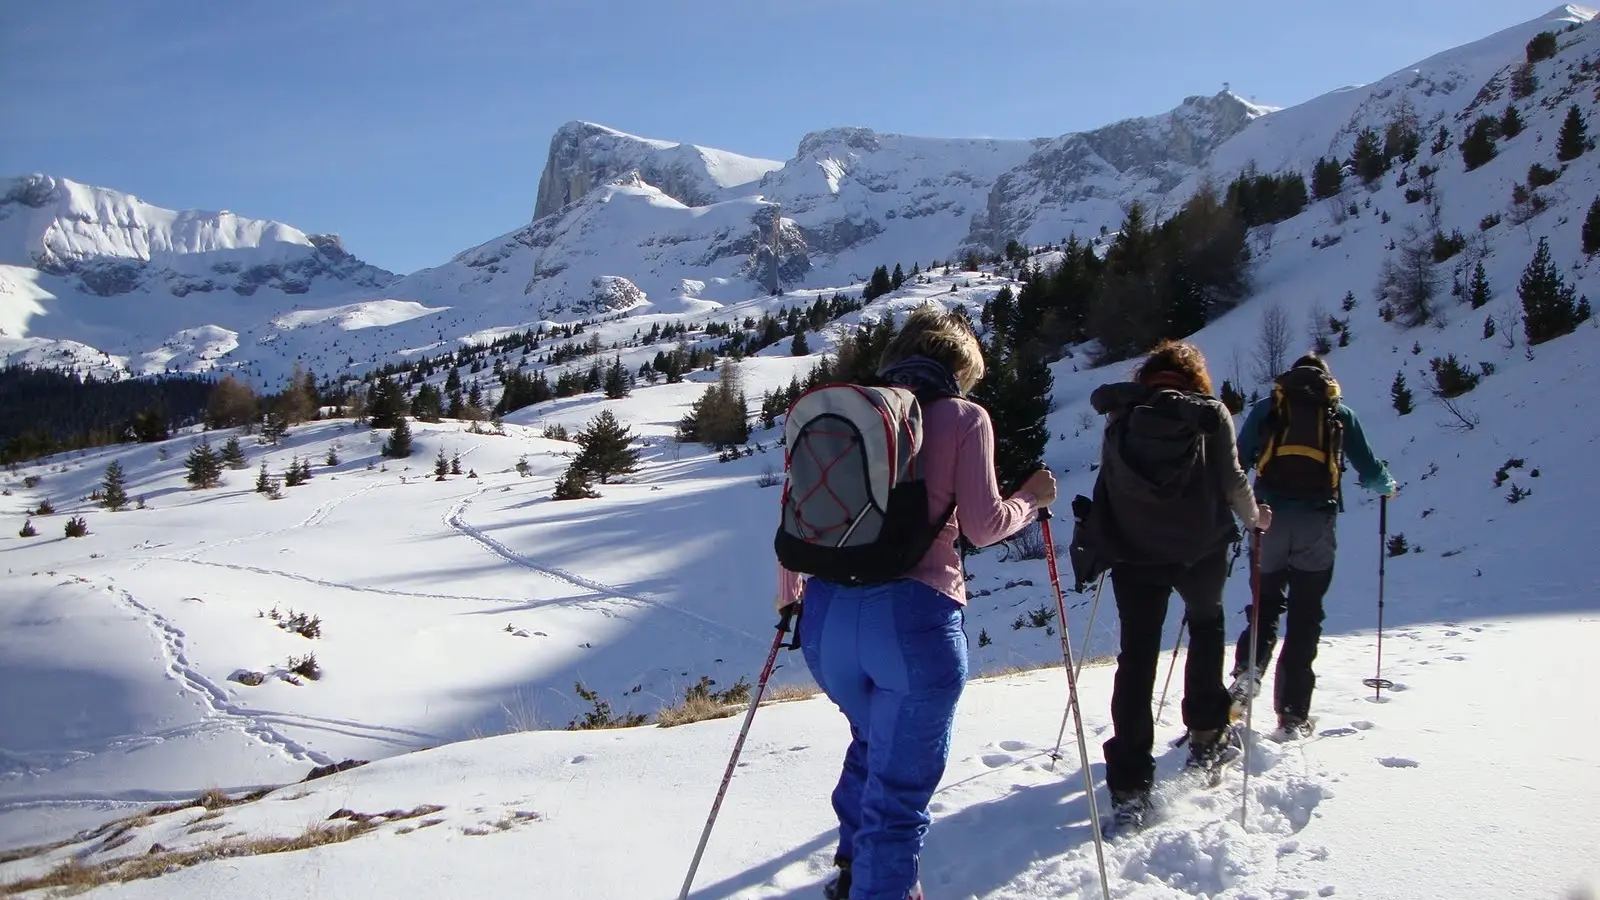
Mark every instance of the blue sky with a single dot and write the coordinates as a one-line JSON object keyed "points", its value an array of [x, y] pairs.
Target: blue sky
{"points": [[417, 129]]}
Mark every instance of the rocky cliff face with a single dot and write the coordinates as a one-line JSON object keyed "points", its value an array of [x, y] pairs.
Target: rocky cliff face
{"points": [[584, 156], [1081, 181], [852, 198]]}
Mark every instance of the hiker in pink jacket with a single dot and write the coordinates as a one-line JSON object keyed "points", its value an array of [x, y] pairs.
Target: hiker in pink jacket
{"points": [[893, 656]]}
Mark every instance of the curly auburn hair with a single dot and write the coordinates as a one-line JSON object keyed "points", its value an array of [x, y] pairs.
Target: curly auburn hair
{"points": [[1175, 364]]}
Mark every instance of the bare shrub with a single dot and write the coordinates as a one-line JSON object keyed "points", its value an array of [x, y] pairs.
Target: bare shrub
{"points": [[1272, 342]]}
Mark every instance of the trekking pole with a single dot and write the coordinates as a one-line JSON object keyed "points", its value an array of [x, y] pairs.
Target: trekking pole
{"points": [[1377, 682], [738, 745], [1062, 733], [1072, 703], [1170, 668], [1255, 670]]}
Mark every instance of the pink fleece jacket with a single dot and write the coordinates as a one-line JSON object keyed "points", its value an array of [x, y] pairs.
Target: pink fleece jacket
{"points": [[958, 463]]}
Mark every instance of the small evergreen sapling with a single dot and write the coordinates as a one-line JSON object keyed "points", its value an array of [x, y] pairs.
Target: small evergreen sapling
{"points": [[233, 454], [1591, 228], [204, 466], [1478, 292], [1574, 138], [113, 489], [398, 446], [1400, 395]]}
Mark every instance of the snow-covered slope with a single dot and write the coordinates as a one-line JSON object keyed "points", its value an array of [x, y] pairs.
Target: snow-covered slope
{"points": [[137, 643]]}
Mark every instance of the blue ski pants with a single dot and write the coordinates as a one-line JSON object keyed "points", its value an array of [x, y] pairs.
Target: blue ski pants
{"points": [[893, 657]]}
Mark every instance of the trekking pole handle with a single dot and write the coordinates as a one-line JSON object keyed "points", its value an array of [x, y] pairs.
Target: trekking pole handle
{"points": [[1383, 515], [784, 624]]}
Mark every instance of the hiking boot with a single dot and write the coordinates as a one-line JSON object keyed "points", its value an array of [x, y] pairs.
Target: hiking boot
{"points": [[838, 887], [1128, 809], [1205, 747], [1292, 726], [1245, 688]]}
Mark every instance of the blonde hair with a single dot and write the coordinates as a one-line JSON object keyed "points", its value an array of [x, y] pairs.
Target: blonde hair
{"points": [[1178, 361], [944, 336]]}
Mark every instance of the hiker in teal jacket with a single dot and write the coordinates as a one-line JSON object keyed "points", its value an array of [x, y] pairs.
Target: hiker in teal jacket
{"points": [[1301, 482]]}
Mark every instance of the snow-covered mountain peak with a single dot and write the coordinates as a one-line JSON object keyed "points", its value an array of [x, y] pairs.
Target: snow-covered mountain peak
{"points": [[586, 155], [63, 227]]}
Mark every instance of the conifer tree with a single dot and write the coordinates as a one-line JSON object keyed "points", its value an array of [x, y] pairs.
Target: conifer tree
{"points": [[1368, 157], [1231, 398], [1477, 147], [1327, 178], [1510, 122], [385, 405], [428, 404], [1591, 228], [1478, 291], [1400, 394], [455, 464], [264, 480], [897, 278], [204, 466], [799, 346], [233, 454], [605, 448], [1550, 307], [114, 488], [617, 381], [441, 466], [398, 446], [273, 428], [575, 484], [1574, 136]]}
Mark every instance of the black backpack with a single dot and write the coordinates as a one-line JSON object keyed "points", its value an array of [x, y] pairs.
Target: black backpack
{"points": [[1302, 447], [1156, 501]]}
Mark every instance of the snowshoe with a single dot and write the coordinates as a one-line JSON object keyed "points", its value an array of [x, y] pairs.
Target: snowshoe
{"points": [[1243, 689], [838, 887], [1291, 728], [1213, 750], [1128, 811]]}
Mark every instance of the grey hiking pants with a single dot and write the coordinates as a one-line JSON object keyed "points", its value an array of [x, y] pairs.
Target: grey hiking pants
{"points": [[1297, 555]]}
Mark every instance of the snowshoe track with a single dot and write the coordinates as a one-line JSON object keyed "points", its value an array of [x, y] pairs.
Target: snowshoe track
{"points": [[456, 519], [216, 699]]}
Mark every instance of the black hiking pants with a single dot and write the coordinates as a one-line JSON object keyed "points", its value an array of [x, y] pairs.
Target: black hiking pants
{"points": [[1142, 594], [1297, 555]]}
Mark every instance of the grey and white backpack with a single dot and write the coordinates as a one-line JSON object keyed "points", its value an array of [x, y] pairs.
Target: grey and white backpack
{"points": [[855, 507]]}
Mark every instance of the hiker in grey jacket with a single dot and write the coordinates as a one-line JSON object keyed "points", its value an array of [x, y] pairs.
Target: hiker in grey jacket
{"points": [[1163, 517]]}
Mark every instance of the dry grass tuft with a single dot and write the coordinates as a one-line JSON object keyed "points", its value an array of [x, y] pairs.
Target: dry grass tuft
{"points": [[75, 876], [1007, 671], [790, 692], [697, 708]]}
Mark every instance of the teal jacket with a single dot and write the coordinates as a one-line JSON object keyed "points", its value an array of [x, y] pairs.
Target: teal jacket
{"points": [[1374, 474]]}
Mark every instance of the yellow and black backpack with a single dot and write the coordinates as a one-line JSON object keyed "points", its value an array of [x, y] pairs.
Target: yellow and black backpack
{"points": [[1302, 452]]}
